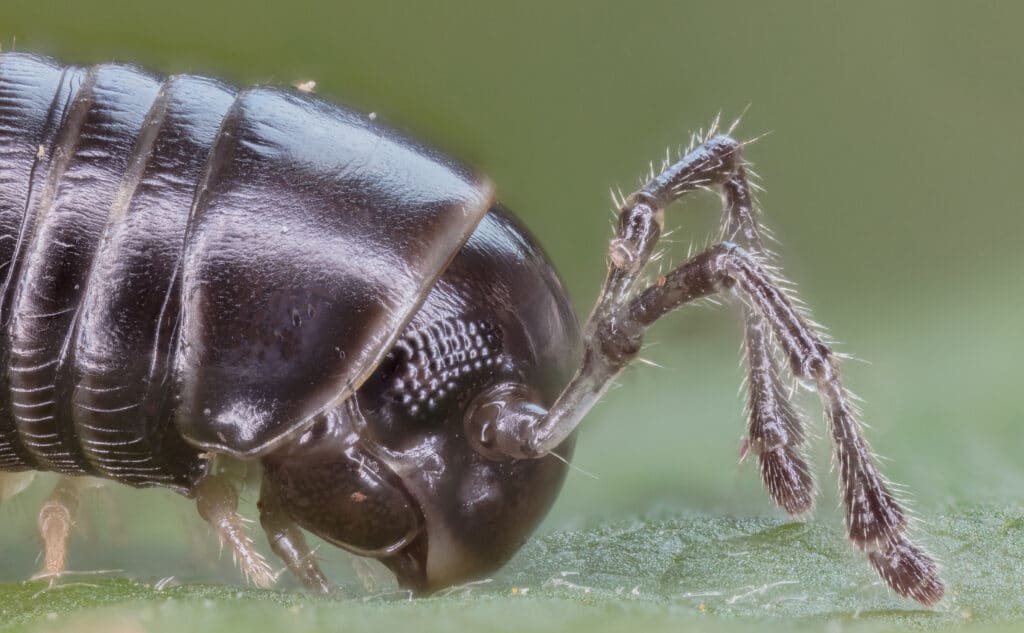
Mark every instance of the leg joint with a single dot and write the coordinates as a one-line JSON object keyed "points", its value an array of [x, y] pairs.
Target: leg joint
{"points": [[619, 341], [726, 149], [809, 356], [640, 224]]}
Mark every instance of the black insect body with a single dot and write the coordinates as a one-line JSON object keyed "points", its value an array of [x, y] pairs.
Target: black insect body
{"points": [[195, 277]]}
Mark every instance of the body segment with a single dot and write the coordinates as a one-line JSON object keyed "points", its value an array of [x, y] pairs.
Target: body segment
{"points": [[35, 99], [123, 340], [91, 155]]}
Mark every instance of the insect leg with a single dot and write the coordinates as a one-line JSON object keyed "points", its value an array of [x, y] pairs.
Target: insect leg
{"points": [[217, 500], [875, 522], [775, 428], [56, 518], [288, 542]]}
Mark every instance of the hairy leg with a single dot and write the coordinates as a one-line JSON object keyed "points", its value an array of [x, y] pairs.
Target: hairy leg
{"points": [[217, 501], [875, 521], [775, 428]]}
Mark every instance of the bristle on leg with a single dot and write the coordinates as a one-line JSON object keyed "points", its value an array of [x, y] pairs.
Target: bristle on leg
{"points": [[788, 480], [775, 430], [875, 520], [217, 501], [908, 570]]}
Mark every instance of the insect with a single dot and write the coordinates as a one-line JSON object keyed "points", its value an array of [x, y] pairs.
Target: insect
{"points": [[197, 278]]}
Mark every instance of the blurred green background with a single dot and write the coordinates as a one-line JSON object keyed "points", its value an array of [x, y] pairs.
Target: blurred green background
{"points": [[892, 171]]}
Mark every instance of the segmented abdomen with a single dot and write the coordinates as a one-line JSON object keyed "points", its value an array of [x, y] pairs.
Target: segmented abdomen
{"points": [[98, 171]]}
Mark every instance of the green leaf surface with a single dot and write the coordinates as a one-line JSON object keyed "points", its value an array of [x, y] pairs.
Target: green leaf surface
{"points": [[653, 573]]}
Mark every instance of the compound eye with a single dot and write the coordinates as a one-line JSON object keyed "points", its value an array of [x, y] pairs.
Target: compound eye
{"points": [[500, 422], [433, 364]]}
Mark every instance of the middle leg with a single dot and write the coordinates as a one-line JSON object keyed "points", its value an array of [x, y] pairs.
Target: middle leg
{"points": [[288, 542], [217, 501]]}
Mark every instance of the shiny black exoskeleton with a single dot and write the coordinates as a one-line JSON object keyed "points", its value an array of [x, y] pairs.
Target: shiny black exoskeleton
{"points": [[196, 278], [192, 269]]}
